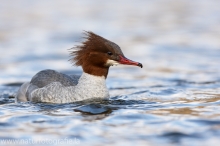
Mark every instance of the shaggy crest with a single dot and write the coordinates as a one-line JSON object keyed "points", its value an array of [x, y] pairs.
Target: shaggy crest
{"points": [[93, 42]]}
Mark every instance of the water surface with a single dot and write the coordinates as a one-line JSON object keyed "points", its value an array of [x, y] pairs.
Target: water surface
{"points": [[173, 100]]}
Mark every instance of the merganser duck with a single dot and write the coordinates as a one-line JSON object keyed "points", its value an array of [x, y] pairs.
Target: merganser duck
{"points": [[95, 55]]}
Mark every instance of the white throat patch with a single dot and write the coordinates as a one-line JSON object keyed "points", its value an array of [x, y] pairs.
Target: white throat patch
{"points": [[111, 62]]}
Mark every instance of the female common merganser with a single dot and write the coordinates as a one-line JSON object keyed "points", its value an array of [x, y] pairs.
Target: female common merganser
{"points": [[95, 55]]}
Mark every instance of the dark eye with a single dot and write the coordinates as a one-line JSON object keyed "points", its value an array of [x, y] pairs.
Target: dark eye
{"points": [[109, 53]]}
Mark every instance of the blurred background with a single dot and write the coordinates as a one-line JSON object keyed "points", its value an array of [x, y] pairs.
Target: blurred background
{"points": [[173, 100], [166, 36]]}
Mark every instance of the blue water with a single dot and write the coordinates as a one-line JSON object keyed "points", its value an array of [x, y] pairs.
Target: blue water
{"points": [[173, 100]]}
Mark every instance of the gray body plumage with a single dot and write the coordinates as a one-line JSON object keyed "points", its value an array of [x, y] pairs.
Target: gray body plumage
{"points": [[46, 77], [54, 87]]}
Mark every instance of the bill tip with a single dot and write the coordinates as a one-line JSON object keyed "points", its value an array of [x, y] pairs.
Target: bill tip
{"points": [[140, 65]]}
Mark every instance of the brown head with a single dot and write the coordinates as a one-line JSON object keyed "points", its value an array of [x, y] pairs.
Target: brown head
{"points": [[97, 54]]}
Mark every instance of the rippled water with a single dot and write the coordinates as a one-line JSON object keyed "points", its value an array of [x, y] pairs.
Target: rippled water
{"points": [[173, 100]]}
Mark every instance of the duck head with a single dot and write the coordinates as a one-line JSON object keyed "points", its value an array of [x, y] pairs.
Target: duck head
{"points": [[96, 54]]}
